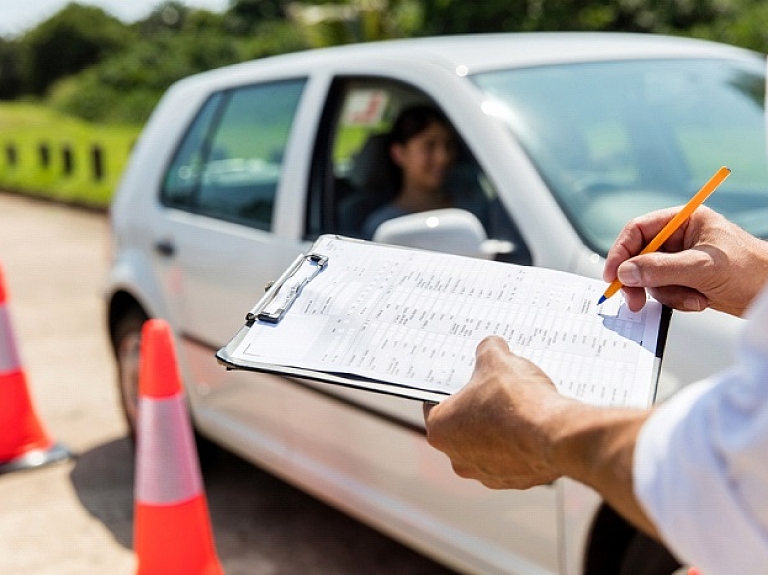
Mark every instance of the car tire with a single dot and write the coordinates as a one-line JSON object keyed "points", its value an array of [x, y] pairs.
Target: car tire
{"points": [[646, 556], [126, 340]]}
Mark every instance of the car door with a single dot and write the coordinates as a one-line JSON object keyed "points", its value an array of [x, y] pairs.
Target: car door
{"points": [[219, 250], [374, 444]]}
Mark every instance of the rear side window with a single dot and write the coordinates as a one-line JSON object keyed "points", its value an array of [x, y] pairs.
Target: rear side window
{"points": [[228, 166]]}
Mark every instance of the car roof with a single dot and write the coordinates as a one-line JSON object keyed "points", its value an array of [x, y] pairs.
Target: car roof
{"points": [[481, 52], [491, 51], [475, 53]]}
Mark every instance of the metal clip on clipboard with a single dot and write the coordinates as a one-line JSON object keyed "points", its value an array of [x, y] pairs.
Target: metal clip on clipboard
{"points": [[289, 287]]}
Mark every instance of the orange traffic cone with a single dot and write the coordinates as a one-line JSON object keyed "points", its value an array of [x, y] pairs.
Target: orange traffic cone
{"points": [[172, 531], [24, 442]]}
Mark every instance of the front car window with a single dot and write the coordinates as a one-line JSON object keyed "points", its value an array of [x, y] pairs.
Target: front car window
{"points": [[617, 139], [353, 176]]}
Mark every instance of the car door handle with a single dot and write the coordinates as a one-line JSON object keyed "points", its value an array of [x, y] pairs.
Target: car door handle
{"points": [[165, 247]]}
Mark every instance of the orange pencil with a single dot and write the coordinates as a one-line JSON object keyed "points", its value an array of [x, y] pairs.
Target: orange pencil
{"points": [[675, 223]]}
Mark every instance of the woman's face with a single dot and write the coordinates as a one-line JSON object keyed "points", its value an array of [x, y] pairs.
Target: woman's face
{"points": [[426, 158]]}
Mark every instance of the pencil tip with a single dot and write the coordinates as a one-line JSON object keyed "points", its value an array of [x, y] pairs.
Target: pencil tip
{"points": [[601, 300]]}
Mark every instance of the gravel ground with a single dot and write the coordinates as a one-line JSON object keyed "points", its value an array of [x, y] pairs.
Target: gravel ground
{"points": [[76, 517]]}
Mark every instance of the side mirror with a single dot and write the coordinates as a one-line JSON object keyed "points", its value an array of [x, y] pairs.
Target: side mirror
{"points": [[449, 230]]}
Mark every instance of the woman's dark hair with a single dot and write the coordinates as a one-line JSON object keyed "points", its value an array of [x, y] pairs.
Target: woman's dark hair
{"points": [[414, 120], [411, 122]]}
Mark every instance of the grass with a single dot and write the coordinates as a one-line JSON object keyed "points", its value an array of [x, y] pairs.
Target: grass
{"points": [[47, 154]]}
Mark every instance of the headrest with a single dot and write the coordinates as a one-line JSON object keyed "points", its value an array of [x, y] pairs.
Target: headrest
{"points": [[372, 168]]}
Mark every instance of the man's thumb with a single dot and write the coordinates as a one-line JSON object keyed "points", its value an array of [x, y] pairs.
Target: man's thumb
{"points": [[662, 269]]}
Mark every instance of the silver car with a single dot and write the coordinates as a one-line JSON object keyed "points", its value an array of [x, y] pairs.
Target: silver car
{"points": [[563, 138]]}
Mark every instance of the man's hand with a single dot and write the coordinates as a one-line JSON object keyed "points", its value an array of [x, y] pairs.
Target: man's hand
{"points": [[495, 429], [707, 262], [509, 428]]}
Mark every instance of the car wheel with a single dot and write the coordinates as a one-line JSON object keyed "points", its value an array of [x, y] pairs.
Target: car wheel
{"points": [[127, 345], [646, 556], [126, 341]]}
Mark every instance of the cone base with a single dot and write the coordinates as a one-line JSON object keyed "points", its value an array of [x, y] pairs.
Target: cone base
{"points": [[37, 458], [175, 539]]}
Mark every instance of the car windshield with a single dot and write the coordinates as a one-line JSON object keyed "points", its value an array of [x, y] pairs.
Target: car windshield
{"points": [[617, 139]]}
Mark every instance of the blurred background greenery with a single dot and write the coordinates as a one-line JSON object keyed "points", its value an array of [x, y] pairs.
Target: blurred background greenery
{"points": [[76, 89]]}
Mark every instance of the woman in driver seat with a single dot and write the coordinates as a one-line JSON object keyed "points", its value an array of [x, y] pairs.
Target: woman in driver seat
{"points": [[422, 147]]}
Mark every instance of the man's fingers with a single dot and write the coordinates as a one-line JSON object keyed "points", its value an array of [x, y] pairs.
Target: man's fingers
{"points": [[491, 344], [666, 276], [682, 298], [660, 269], [487, 353], [635, 298], [633, 238], [427, 408], [434, 424]]}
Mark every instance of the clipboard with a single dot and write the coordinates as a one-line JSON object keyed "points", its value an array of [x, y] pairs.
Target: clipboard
{"points": [[278, 298], [284, 302], [303, 270]]}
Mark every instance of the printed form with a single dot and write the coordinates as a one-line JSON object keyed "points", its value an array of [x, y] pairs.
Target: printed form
{"points": [[414, 318]]}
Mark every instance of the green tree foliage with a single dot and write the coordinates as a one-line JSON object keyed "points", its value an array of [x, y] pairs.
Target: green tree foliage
{"points": [[70, 41], [127, 86], [166, 17], [458, 16], [93, 66], [245, 16], [742, 23], [10, 70]]}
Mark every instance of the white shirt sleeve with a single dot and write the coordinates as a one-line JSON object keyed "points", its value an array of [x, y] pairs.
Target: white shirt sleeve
{"points": [[701, 463]]}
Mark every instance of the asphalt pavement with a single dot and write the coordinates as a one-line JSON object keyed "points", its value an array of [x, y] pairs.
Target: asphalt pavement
{"points": [[76, 517]]}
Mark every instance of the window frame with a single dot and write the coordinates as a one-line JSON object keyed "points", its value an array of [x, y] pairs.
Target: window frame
{"points": [[321, 206]]}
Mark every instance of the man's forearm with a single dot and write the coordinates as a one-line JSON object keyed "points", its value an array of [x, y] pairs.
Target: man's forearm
{"points": [[596, 446]]}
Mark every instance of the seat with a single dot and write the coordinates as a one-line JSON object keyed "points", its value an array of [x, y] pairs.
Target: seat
{"points": [[373, 178]]}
